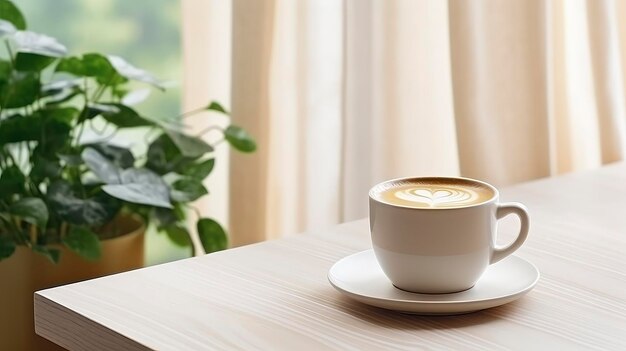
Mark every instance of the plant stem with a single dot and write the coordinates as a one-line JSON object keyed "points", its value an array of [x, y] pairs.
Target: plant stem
{"points": [[192, 112], [210, 128], [81, 129], [96, 130], [6, 44], [218, 142], [11, 226], [14, 231], [81, 122], [20, 153], [77, 179], [30, 152], [102, 88], [75, 172], [33, 188], [33, 234], [62, 230], [148, 135], [196, 210], [99, 91]]}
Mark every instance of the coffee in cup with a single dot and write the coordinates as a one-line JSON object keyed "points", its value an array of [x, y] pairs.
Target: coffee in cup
{"points": [[434, 193], [437, 234]]}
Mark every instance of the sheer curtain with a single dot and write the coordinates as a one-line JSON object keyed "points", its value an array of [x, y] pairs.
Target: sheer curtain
{"points": [[343, 94]]}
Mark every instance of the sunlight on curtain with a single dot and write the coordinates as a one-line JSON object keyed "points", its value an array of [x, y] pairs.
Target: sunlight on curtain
{"points": [[608, 71], [305, 82], [580, 123]]}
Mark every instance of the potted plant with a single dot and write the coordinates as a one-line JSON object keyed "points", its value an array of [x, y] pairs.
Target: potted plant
{"points": [[72, 209]]}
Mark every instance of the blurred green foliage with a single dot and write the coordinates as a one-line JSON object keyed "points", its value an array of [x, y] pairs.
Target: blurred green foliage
{"points": [[145, 32]]}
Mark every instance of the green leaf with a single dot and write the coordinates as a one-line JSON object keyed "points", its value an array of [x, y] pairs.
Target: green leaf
{"points": [[119, 92], [7, 247], [71, 160], [12, 181], [63, 96], [212, 235], [141, 175], [187, 190], [32, 62], [129, 71], [44, 169], [96, 109], [10, 12], [91, 65], [22, 89], [58, 86], [199, 170], [101, 166], [121, 157], [173, 124], [5, 72], [125, 117], [166, 216], [35, 43], [32, 210], [65, 115], [189, 146], [140, 186], [51, 125], [178, 235], [144, 194], [239, 139], [97, 65], [54, 255], [91, 212], [164, 156], [6, 28], [72, 65], [83, 242], [215, 106], [71, 157]]}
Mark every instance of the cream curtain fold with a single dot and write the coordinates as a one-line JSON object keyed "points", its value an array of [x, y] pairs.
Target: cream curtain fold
{"points": [[206, 46], [343, 94]]}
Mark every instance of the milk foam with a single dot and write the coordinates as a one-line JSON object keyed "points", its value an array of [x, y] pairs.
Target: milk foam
{"points": [[433, 192], [438, 197]]}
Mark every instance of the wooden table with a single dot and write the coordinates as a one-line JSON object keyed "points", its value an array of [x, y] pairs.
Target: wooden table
{"points": [[275, 295]]}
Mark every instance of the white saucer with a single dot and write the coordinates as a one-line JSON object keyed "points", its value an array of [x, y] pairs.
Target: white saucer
{"points": [[360, 277]]}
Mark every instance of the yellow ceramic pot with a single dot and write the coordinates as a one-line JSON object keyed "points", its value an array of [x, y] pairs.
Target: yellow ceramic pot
{"points": [[26, 272]]}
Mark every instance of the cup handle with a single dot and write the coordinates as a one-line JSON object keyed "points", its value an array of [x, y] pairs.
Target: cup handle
{"points": [[505, 209]]}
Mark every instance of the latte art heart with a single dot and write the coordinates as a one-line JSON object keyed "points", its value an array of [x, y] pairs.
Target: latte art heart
{"points": [[434, 197]]}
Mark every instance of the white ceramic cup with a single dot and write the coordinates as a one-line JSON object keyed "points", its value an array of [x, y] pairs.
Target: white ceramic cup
{"points": [[440, 250]]}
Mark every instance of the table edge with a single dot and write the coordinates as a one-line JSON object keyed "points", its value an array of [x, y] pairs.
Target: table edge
{"points": [[85, 332]]}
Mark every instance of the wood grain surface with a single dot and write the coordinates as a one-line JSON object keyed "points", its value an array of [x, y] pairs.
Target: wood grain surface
{"points": [[275, 295]]}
